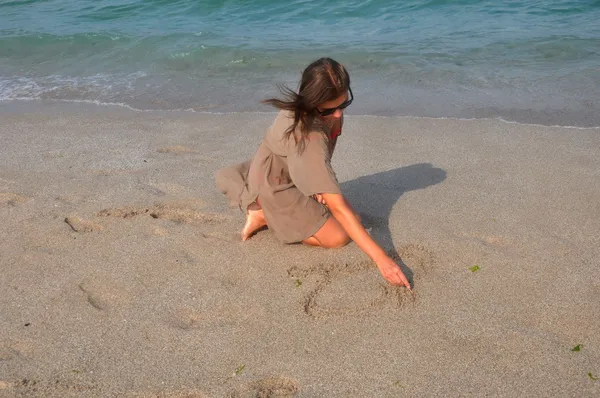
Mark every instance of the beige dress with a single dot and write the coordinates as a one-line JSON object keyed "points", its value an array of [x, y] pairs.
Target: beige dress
{"points": [[284, 181]]}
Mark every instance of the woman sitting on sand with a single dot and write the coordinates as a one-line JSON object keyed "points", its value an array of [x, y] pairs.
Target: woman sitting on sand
{"points": [[290, 186]]}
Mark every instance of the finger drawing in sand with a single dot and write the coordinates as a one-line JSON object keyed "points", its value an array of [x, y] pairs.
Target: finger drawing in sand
{"points": [[290, 186]]}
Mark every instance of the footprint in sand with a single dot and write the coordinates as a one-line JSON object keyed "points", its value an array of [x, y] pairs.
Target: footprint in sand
{"points": [[54, 387], [80, 225], [103, 296], [357, 289], [166, 211], [272, 387], [11, 199], [184, 318]]}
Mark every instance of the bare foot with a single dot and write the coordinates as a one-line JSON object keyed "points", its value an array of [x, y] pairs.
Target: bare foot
{"points": [[255, 219]]}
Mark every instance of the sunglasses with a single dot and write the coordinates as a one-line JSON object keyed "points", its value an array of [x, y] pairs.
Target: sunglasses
{"points": [[344, 105]]}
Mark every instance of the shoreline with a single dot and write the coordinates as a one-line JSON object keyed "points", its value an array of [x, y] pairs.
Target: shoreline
{"points": [[16, 105]]}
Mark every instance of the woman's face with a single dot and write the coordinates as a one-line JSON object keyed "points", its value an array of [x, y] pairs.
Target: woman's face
{"points": [[334, 104]]}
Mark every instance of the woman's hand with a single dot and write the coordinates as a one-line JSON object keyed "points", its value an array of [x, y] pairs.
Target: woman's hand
{"points": [[343, 213], [392, 272]]}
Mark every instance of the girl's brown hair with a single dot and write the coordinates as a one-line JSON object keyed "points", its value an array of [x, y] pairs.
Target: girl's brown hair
{"points": [[322, 81]]}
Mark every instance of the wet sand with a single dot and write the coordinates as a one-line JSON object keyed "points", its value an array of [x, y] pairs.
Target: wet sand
{"points": [[122, 272]]}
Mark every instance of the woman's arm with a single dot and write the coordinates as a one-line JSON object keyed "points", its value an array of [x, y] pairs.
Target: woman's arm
{"points": [[319, 198], [343, 213]]}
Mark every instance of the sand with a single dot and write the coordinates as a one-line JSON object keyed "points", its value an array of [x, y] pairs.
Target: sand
{"points": [[122, 273]]}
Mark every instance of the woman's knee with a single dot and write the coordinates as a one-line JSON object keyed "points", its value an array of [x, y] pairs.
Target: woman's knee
{"points": [[338, 241], [331, 235]]}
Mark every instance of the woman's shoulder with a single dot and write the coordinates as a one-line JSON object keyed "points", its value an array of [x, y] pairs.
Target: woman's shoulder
{"points": [[277, 136], [282, 122]]}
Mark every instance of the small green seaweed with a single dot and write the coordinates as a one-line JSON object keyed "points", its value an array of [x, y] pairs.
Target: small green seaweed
{"points": [[236, 372], [591, 376], [577, 348], [298, 283], [474, 268], [397, 384]]}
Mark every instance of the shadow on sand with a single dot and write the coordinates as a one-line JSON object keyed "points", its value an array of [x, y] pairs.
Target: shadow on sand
{"points": [[374, 196]]}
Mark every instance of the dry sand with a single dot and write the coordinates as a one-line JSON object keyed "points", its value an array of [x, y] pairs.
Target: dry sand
{"points": [[122, 273]]}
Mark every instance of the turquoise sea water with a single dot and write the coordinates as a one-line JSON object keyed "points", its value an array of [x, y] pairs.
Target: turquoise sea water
{"points": [[528, 61]]}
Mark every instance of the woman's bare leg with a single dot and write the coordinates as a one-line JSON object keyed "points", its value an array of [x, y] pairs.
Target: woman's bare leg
{"points": [[255, 220], [330, 235]]}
